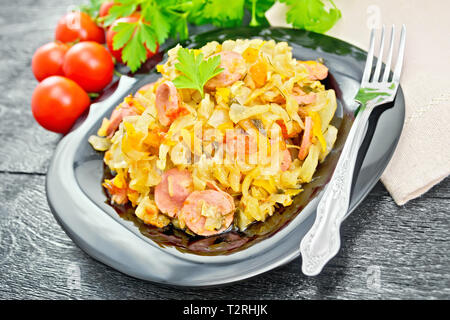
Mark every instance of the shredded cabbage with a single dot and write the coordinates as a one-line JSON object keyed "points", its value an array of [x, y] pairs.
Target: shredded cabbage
{"points": [[264, 121]]}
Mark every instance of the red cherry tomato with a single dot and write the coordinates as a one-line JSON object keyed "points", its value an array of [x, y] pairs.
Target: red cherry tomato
{"points": [[57, 102], [110, 35], [48, 60], [104, 8], [90, 65], [78, 26]]}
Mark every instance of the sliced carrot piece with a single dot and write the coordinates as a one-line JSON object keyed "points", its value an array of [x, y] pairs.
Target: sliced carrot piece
{"points": [[317, 129], [250, 54], [258, 72]]}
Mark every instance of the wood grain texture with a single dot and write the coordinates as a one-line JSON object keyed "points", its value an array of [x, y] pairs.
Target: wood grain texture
{"points": [[408, 247], [24, 26]]}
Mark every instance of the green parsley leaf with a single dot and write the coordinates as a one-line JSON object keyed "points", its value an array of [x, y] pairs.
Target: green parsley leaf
{"points": [[181, 6], [179, 12], [179, 27], [134, 38], [124, 9], [221, 13], [313, 15], [134, 53], [124, 32], [159, 21], [196, 71], [148, 37]]}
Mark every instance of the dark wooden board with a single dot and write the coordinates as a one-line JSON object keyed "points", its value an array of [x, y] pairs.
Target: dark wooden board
{"points": [[406, 248], [24, 26]]}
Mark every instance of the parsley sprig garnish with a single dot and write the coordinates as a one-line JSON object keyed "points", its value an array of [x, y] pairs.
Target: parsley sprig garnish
{"points": [[195, 70]]}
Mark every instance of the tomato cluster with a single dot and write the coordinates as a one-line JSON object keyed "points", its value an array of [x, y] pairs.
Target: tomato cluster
{"points": [[75, 65]]}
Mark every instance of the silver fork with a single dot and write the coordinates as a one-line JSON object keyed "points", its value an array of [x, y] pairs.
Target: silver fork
{"points": [[322, 242]]}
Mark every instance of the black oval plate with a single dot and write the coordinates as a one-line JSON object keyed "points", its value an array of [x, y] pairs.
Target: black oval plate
{"points": [[76, 199]]}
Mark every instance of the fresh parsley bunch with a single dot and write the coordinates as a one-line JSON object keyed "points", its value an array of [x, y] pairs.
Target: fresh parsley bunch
{"points": [[163, 19]]}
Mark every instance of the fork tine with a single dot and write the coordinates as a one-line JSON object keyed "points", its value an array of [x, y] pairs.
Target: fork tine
{"points": [[376, 75], [387, 69], [401, 53], [368, 67]]}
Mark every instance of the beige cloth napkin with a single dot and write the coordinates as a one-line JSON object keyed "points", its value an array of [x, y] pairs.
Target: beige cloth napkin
{"points": [[422, 157]]}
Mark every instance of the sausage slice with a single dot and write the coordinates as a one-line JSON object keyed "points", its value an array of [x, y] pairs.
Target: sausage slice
{"points": [[208, 212], [305, 98], [174, 188], [286, 160], [234, 69], [317, 70], [117, 116], [167, 102]]}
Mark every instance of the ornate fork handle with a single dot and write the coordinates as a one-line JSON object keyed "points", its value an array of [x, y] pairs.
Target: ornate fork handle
{"points": [[322, 242]]}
